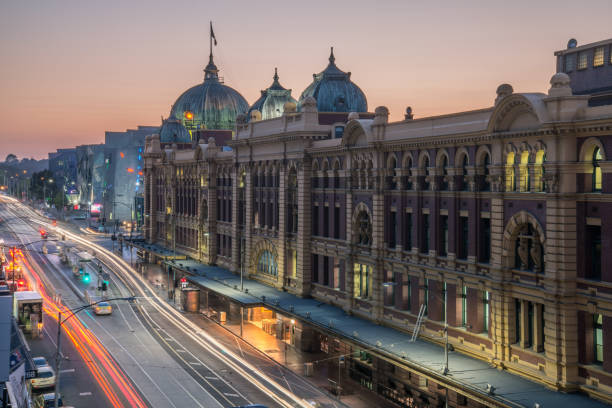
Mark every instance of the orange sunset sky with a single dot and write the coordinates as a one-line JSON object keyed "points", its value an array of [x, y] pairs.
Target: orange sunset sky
{"points": [[69, 70]]}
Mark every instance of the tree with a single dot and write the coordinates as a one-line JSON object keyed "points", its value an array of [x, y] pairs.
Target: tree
{"points": [[11, 159]]}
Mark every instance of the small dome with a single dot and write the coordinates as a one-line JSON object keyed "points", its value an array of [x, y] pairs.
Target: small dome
{"points": [[272, 100], [173, 131], [334, 91], [211, 104]]}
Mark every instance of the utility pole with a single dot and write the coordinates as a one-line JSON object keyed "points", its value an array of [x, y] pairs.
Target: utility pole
{"points": [[58, 359]]}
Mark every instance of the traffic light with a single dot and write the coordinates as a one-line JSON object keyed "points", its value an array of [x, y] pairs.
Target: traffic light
{"points": [[104, 286], [80, 271], [86, 277]]}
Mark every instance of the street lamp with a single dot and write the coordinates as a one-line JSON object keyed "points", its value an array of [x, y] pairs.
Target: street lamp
{"points": [[59, 331]]}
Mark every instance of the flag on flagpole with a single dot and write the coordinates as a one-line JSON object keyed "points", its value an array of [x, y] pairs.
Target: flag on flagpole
{"points": [[212, 34]]}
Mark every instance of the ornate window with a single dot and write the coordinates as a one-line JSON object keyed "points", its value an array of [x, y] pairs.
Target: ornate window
{"points": [[538, 170], [597, 157], [529, 254], [267, 263], [363, 228]]}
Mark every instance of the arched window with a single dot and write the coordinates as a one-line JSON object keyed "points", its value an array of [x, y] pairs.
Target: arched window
{"points": [[407, 178], [538, 170], [364, 228], [391, 181], [426, 185], [524, 183], [597, 157], [510, 181], [292, 207], [529, 252], [464, 173], [267, 263], [444, 174], [486, 184]]}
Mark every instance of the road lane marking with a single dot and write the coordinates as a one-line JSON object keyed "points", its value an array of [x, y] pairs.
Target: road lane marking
{"points": [[68, 370], [195, 364], [211, 378], [180, 351], [229, 394], [84, 394]]}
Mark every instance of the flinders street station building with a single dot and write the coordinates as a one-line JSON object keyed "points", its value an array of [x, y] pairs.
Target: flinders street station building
{"points": [[327, 226]]}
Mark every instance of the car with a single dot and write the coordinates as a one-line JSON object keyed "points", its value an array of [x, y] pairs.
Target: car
{"points": [[44, 379], [103, 308], [40, 361], [47, 401]]}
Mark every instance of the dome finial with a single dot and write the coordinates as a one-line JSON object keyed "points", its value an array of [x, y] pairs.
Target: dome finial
{"points": [[275, 74], [332, 59], [211, 71]]}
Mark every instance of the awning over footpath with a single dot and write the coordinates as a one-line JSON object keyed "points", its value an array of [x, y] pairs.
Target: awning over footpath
{"points": [[159, 251], [466, 372]]}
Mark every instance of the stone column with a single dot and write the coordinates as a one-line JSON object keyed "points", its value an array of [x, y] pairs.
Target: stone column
{"points": [[248, 221], [235, 174], [304, 270], [378, 244], [212, 213]]}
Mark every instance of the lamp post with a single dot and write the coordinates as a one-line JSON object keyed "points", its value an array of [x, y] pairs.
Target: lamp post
{"points": [[59, 337]]}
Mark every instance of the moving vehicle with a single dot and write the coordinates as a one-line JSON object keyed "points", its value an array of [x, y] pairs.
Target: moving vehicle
{"points": [[47, 401], [103, 308], [44, 379], [40, 361], [79, 262], [27, 310]]}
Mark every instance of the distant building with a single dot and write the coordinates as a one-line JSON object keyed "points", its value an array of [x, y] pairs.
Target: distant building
{"points": [[589, 67], [63, 165]]}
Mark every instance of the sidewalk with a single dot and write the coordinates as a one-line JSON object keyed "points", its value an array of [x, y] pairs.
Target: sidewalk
{"points": [[468, 373]]}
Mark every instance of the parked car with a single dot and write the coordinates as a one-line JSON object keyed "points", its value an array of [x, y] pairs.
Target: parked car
{"points": [[44, 379], [103, 308], [40, 361]]}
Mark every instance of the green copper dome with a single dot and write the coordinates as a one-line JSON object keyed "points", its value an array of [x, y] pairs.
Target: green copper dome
{"points": [[272, 101], [172, 131], [209, 105], [334, 90]]}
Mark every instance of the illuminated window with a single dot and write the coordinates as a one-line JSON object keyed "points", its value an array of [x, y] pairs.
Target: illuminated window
{"points": [[267, 263], [598, 338], [486, 300], [463, 306], [538, 170], [582, 60], [362, 279], [570, 62], [510, 185], [597, 157], [598, 57], [524, 172]]}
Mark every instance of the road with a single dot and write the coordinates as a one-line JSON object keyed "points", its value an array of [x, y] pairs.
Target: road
{"points": [[171, 360]]}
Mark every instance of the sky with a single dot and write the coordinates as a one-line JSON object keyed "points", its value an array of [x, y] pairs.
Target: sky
{"points": [[70, 70]]}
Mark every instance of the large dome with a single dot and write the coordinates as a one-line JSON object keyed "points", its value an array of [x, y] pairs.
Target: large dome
{"points": [[209, 105], [334, 91], [272, 100], [172, 131]]}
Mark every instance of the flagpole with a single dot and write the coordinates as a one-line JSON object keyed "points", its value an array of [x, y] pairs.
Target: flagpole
{"points": [[210, 38]]}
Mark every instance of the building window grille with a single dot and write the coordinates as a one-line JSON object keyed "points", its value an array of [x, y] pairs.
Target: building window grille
{"points": [[443, 235], [425, 235], [594, 243], [393, 230], [582, 60], [517, 320], [598, 57], [524, 182], [486, 304], [598, 350], [364, 228], [463, 306], [485, 240], [464, 238], [570, 62], [267, 263], [362, 277], [597, 157], [510, 181]]}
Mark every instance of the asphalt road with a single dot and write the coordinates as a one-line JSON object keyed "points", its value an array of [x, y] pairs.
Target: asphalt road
{"points": [[171, 363]]}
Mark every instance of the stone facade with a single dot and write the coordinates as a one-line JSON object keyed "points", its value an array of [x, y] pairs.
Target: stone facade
{"points": [[503, 210]]}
